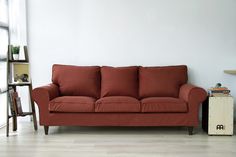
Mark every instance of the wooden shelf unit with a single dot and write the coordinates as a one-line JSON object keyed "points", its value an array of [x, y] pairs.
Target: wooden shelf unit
{"points": [[14, 86]]}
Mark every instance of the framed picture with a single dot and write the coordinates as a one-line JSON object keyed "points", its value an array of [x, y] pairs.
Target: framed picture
{"points": [[20, 73]]}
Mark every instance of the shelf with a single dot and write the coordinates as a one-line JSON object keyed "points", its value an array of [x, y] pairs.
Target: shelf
{"points": [[20, 84], [22, 114], [18, 61], [232, 72]]}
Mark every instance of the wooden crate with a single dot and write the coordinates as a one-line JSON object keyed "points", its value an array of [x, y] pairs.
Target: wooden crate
{"points": [[220, 119]]}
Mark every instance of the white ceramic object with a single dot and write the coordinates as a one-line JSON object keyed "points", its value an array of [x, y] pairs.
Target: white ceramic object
{"points": [[16, 56]]}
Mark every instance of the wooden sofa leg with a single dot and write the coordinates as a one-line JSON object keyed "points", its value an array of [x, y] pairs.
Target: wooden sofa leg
{"points": [[190, 130], [46, 130]]}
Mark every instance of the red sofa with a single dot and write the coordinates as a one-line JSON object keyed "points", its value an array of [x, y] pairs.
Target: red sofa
{"points": [[121, 96]]}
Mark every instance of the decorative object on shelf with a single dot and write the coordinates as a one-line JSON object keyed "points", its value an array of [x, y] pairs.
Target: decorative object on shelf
{"points": [[18, 75], [15, 50], [218, 85]]}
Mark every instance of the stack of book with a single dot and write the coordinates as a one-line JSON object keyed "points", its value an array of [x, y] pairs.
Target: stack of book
{"points": [[15, 103], [219, 91]]}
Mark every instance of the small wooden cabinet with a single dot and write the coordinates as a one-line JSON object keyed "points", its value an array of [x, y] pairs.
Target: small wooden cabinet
{"points": [[217, 115]]}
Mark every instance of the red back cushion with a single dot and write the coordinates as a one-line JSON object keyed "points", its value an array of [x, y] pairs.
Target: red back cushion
{"points": [[119, 81], [77, 80], [161, 81]]}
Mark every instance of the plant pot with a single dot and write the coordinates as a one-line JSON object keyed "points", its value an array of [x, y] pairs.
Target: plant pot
{"points": [[16, 56]]}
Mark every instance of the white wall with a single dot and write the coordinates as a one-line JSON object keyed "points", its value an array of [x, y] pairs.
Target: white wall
{"points": [[198, 33]]}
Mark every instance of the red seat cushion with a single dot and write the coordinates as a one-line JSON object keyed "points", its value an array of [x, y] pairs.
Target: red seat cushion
{"points": [[161, 81], [163, 104], [117, 104], [120, 81], [77, 80], [72, 104]]}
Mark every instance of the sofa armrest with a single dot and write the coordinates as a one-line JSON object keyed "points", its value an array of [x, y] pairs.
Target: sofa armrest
{"points": [[189, 93], [194, 96], [42, 96]]}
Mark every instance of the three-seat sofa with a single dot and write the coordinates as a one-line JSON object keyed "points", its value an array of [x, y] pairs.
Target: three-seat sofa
{"points": [[119, 96]]}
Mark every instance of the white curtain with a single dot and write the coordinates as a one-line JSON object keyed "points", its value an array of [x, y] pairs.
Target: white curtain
{"points": [[18, 36], [17, 22]]}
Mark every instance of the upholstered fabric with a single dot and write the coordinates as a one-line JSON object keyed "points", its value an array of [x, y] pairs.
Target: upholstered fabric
{"points": [[42, 96], [72, 104], [117, 104], [119, 81], [77, 80], [161, 81], [194, 96], [163, 104]]}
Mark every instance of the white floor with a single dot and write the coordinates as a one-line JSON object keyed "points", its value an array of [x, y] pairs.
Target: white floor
{"points": [[113, 142]]}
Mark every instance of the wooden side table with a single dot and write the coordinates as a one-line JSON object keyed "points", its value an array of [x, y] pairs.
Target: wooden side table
{"points": [[217, 115]]}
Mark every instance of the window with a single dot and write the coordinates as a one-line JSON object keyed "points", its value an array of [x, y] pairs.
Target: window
{"points": [[4, 38]]}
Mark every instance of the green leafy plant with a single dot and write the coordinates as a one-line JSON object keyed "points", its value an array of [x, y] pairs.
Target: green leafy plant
{"points": [[15, 49]]}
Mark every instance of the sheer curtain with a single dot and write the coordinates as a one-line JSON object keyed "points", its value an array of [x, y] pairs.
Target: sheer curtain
{"points": [[17, 23], [18, 36]]}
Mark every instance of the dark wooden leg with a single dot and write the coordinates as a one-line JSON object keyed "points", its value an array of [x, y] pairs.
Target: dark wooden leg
{"points": [[7, 127], [33, 108], [14, 123], [46, 129], [190, 130], [14, 118], [35, 121]]}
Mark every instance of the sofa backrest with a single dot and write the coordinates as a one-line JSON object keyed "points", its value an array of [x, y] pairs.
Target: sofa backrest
{"points": [[161, 81], [134, 81], [77, 80], [119, 81]]}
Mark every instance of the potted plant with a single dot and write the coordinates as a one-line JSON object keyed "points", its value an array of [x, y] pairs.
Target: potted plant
{"points": [[15, 50]]}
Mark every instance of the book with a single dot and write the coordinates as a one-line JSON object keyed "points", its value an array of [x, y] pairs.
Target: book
{"points": [[15, 95], [19, 107], [220, 95], [218, 88], [15, 103], [11, 102]]}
